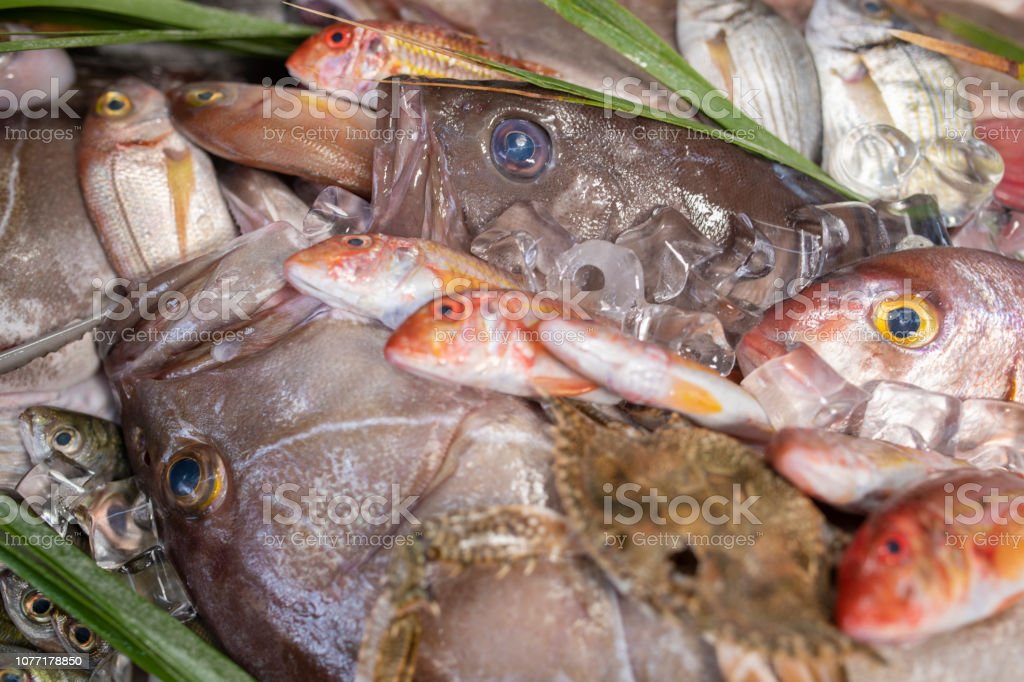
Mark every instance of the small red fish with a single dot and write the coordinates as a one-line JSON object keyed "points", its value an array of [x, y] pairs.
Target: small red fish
{"points": [[947, 553], [345, 57]]}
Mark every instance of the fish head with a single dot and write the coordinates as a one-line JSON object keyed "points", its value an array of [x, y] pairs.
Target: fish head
{"points": [[894, 575], [922, 317], [192, 102], [341, 57], [90, 442], [130, 111], [31, 611], [852, 24], [358, 272], [449, 335]]}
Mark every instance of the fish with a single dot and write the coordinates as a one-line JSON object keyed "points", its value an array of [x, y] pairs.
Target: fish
{"points": [[387, 278], [489, 340], [444, 172], [942, 555], [31, 611], [38, 674], [257, 198], [78, 638], [93, 444], [867, 76], [760, 61], [152, 195], [34, 80], [647, 374], [853, 474], [945, 319], [286, 130], [45, 232], [351, 60]]}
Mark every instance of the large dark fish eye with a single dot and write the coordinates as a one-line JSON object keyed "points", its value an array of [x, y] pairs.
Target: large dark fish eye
{"points": [[82, 637], [12, 676], [195, 479], [37, 607], [520, 149], [66, 439], [904, 323]]}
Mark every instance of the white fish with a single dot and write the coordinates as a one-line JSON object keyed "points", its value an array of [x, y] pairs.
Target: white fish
{"points": [[868, 76], [760, 60]]}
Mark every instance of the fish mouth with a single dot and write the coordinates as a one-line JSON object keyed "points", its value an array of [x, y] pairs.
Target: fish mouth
{"points": [[756, 349]]}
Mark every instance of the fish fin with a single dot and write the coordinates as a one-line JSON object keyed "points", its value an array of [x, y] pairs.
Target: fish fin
{"points": [[1015, 394], [181, 179], [689, 398], [718, 48], [562, 387]]}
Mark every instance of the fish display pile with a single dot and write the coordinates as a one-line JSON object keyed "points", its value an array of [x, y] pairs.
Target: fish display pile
{"points": [[404, 368]]}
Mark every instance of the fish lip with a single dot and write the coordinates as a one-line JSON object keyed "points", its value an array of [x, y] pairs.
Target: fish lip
{"points": [[757, 348]]}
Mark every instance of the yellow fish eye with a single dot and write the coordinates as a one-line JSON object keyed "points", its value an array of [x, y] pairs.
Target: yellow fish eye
{"points": [[202, 97], [907, 321], [113, 104], [195, 479]]}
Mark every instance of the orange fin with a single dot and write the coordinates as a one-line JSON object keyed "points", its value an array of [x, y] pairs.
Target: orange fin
{"points": [[563, 387], [689, 398], [1016, 384]]}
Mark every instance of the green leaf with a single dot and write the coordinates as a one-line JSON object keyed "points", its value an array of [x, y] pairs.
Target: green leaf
{"points": [[154, 640], [93, 39]]}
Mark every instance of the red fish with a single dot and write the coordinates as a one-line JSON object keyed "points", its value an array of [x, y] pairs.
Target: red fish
{"points": [[947, 553], [345, 57]]}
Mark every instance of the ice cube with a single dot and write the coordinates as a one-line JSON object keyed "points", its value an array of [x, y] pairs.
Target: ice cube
{"points": [[668, 246], [923, 224], [800, 389], [991, 434], [550, 239], [153, 577], [874, 160], [693, 335], [907, 415], [50, 489], [608, 279], [336, 211], [961, 174], [119, 520], [514, 251], [848, 231]]}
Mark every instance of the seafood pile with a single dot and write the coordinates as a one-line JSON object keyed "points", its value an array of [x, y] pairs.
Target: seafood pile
{"points": [[405, 367]]}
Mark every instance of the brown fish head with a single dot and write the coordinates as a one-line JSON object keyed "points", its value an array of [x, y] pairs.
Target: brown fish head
{"points": [[202, 102], [944, 319]]}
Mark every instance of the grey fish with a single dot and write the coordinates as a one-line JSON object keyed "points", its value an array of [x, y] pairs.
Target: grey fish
{"points": [[257, 198], [761, 61], [868, 76], [93, 444], [31, 611]]}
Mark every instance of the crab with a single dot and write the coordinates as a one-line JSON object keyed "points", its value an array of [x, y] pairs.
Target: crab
{"points": [[688, 521]]}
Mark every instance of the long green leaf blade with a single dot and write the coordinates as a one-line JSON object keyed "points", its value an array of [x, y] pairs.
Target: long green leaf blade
{"points": [[80, 39], [155, 641]]}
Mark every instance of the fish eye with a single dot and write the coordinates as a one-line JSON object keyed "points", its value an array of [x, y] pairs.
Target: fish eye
{"points": [[66, 439], [202, 97], [908, 321], [37, 607], [12, 676], [113, 104], [450, 310], [520, 149], [195, 479], [875, 9], [339, 38], [360, 242], [893, 549]]}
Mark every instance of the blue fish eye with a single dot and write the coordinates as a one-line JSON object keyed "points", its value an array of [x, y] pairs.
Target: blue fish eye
{"points": [[872, 7], [520, 149], [904, 323], [183, 476], [11, 677], [62, 438]]}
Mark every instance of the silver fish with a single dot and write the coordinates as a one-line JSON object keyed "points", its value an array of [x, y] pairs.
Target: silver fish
{"points": [[760, 60], [152, 194], [31, 611], [257, 198], [868, 76]]}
